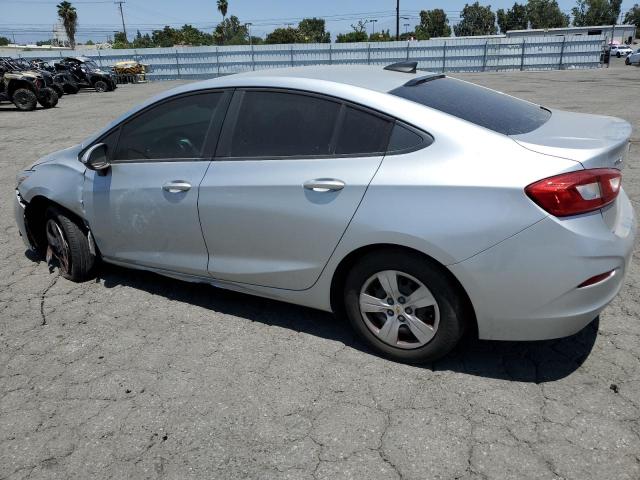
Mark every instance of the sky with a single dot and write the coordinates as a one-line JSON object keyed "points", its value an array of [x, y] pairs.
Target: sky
{"points": [[32, 20]]}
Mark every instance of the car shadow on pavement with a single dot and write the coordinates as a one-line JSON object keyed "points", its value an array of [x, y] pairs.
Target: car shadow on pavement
{"points": [[533, 362]]}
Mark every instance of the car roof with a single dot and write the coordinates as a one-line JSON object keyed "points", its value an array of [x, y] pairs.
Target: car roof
{"points": [[364, 76]]}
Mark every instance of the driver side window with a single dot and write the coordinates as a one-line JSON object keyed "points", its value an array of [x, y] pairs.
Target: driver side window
{"points": [[175, 129]]}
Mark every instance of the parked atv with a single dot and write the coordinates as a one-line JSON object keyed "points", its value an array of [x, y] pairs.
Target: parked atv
{"points": [[49, 81], [24, 88], [64, 79], [87, 74]]}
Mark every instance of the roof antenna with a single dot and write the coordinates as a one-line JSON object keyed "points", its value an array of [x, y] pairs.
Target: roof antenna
{"points": [[404, 67]]}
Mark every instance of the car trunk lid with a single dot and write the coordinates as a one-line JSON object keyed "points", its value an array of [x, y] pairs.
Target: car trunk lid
{"points": [[596, 141]]}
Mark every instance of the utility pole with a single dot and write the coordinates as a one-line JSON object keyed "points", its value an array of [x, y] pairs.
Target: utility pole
{"points": [[248, 25], [124, 28], [397, 19]]}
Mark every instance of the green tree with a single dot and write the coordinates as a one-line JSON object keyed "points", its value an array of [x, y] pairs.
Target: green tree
{"points": [[632, 17], [231, 32], [312, 30], [476, 20], [192, 36], [359, 34], [223, 6], [546, 14], [596, 12], [515, 18], [433, 23], [382, 36], [167, 37], [120, 40], [283, 35], [89, 42], [4, 41], [69, 17], [142, 41]]}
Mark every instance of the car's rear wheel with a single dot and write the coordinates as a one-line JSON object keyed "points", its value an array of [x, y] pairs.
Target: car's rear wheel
{"points": [[68, 246], [405, 306], [100, 86], [627, 61], [24, 99]]}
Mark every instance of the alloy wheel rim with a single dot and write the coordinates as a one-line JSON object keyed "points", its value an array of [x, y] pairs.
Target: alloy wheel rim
{"points": [[58, 245], [399, 309]]}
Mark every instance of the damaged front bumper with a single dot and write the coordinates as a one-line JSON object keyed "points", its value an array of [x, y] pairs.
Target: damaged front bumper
{"points": [[19, 209]]}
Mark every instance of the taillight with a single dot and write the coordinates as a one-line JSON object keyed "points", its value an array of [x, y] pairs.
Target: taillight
{"points": [[576, 192]]}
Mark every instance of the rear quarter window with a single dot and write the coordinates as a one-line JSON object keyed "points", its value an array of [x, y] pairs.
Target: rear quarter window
{"points": [[482, 106]]}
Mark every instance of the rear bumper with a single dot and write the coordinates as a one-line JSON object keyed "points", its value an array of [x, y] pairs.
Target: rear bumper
{"points": [[525, 288]]}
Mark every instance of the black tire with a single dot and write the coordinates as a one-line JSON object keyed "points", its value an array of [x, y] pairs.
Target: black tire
{"points": [[443, 288], [58, 89], [618, 54], [25, 100], [80, 263], [47, 97], [101, 86], [627, 61]]}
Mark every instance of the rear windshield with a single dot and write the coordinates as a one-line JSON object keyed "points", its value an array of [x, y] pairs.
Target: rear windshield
{"points": [[482, 106]]}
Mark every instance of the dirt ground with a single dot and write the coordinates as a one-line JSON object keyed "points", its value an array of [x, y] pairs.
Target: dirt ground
{"points": [[138, 376]]}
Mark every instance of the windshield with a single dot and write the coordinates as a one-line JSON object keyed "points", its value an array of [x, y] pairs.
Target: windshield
{"points": [[92, 65], [482, 106]]}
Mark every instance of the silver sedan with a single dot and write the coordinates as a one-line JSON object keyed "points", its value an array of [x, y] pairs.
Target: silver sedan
{"points": [[415, 205]]}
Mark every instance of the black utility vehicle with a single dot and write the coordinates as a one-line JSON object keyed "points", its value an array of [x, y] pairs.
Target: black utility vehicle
{"points": [[87, 74], [25, 65], [64, 79], [24, 88]]}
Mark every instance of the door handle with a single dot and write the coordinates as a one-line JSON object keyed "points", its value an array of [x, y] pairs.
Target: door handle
{"points": [[324, 185], [176, 186]]}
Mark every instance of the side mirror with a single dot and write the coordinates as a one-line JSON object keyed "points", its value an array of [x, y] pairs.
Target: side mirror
{"points": [[95, 158]]}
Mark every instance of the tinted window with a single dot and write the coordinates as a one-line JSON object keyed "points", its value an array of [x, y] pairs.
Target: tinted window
{"points": [[274, 124], [174, 129], [484, 107], [403, 138], [362, 132]]}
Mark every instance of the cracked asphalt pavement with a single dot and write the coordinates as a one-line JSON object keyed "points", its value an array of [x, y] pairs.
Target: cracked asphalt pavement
{"points": [[138, 376]]}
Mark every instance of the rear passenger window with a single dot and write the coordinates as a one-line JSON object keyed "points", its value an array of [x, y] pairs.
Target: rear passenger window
{"points": [[278, 124], [362, 133], [402, 138]]}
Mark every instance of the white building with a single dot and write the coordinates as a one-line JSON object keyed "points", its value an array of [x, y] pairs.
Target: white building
{"points": [[621, 33], [59, 37]]}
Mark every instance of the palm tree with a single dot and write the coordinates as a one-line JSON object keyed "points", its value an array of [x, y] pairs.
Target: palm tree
{"points": [[69, 17], [223, 5]]}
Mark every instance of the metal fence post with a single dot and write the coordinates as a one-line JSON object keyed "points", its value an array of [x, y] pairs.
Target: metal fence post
{"points": [[564, 39], [218, 60], [524, 42], [253, 60], [368, 54], [330, 55], [99, 56], [177, 63], [484, 58], [408, 46], [292, 54], [444, 56]]}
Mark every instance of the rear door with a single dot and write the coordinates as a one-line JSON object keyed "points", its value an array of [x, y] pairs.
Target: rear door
{"points": [[290, 171]]}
